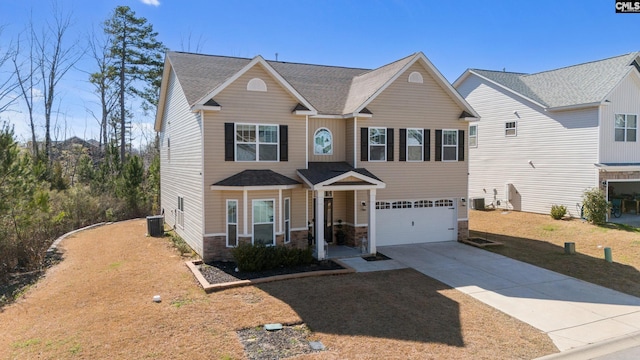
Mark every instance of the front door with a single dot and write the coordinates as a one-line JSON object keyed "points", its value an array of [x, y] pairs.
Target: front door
{"points": [[328, 218]]}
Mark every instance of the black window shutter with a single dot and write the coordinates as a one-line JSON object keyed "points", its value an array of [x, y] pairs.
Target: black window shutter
{"points": [[364, 144], [389, 144], [403, 145], [426, 142], [284, 143], [229, 143], [460, 145], [438, 145]]}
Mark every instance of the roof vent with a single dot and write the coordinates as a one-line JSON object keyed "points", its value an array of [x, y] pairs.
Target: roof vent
{"points": [[415, 77], [256, 84]]}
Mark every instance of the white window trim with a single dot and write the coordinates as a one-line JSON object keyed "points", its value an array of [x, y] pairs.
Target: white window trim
{"points": [[625, 128], [421, 145], [369, 143], [273, 221], [444, 131], [180, 212], [314, 141], [475, 137], [257, 142], [515, 128], [228, 223], [287, 221]]}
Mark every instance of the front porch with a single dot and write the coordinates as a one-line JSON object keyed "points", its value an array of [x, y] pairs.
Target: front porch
{"points": [[354, 192]]}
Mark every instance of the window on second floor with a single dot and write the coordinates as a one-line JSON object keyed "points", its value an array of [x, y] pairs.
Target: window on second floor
{"points": [[449, 145], [415, 150], [473, 136], [626, 127], [256, 142], [322, 142], [253, 142], [377, 144], [510, 128]]}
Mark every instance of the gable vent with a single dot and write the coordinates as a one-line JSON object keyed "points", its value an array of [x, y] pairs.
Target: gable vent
{"points": [[415, 77], [256, 84]]}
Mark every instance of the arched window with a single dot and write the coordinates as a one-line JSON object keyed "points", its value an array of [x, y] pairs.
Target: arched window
{"points": [[322, 142]]}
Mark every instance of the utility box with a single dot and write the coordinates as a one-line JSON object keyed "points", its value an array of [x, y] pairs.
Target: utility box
{"points": [[477, 204], [155, 225]]}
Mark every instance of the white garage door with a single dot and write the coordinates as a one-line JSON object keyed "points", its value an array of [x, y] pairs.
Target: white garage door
{"points": [[418, 221]]}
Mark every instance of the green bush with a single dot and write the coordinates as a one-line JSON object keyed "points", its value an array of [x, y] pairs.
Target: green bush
{"points": [[259, 257], [180, 244], [558, 211], [595, 206]]}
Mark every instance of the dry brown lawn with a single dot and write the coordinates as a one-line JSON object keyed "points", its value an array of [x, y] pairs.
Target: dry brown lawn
{"points": [[97, 304], [539, 240]]}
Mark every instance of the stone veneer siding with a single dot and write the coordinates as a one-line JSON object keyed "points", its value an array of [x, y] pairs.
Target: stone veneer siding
{"points": [[215, 247], [617, 175], [463, 230]]}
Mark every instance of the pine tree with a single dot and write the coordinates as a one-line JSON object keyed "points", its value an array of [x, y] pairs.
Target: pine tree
{"points": [[137, 58]]}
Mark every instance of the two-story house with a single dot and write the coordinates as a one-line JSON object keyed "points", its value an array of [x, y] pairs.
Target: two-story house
{"points": [[271, 152], [547, 137]]}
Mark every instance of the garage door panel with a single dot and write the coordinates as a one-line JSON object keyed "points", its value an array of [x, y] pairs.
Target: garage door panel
{"points": [[415, 225]]}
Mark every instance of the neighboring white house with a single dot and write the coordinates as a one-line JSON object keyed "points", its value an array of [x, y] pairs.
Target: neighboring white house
{"points": [[546, 137]]}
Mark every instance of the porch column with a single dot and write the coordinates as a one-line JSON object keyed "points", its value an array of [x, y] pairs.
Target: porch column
{"points": [[320, 224], [372, 221]]}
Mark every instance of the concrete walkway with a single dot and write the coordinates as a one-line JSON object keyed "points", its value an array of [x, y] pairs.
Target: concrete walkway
{"points": [[573, 313]]}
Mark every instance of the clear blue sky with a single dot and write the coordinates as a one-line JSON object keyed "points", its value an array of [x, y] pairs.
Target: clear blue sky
{"points": [[524, 36]]}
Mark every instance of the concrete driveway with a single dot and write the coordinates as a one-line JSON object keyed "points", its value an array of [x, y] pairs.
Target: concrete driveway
{"points": [[572, 312]]}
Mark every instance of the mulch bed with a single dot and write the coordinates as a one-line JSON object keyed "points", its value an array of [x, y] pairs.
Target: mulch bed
{"points": [[17, 282], [218, 272], [260, 344]]}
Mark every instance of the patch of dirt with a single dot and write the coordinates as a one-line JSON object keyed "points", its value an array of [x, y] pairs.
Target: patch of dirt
{"points": [[260, 344], [217, 272]]}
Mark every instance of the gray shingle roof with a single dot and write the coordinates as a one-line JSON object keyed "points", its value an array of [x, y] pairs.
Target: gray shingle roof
{"points": [[257, 178], [331, 90], [574, 85], [323, 171]]}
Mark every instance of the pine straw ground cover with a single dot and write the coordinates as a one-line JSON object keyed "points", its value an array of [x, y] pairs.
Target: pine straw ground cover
{"points": [[97, 304], [539, 240]]}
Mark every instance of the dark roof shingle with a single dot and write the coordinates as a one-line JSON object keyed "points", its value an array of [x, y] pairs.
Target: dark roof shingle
{"points": [[257, 178], [323, 171]]}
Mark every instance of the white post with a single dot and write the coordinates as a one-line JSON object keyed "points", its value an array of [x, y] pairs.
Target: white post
{"points": [[320, 224], [372, 221]]}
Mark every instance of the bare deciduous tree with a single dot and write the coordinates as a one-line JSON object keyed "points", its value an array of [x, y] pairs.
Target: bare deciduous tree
{"points": [[9, 83], [56, 58]]}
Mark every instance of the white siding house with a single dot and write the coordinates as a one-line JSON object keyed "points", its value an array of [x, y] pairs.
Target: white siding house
{"points": [[545, 138]]}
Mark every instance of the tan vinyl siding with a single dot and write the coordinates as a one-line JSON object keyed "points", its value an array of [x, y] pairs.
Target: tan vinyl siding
{"points": [[337, 128], [424, 106], [241, 106], [562, 148], [180, 174], [298, 208], [349, 141], [623, 100]]}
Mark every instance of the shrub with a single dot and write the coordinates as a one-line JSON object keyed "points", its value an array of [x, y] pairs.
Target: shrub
{"points": [[595, 206], [259, 257], [180, 244], [558, 211]]}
